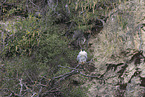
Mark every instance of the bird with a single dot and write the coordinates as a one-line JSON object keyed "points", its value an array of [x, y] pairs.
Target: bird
{"points": [[82, 57]]}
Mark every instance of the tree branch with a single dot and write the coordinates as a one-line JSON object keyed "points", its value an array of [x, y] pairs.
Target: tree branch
{"points": [[89, 75], [34, 4], [139, 34], [21, 84]]}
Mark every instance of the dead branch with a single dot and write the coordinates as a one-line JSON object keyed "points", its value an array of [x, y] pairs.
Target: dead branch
{"points": [[74, 71], [34, 4], [29, 90], [139, 34], [21, 84], [89, 76]]}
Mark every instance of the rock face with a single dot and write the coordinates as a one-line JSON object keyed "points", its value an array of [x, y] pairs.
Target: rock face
{"points": [[119, 53], [121, 80]]}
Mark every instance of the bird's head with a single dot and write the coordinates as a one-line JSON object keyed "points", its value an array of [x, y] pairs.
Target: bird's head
{"points": [[82, 52]]}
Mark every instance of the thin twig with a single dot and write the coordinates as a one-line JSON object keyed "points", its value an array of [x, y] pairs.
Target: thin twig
{"points": [[73, 71], [21, 84], [139, 34], [30, 90], [68, 67], [65, 67], [4, 1], [40, 90], [34, 4], [29, 77], [90, 76]]}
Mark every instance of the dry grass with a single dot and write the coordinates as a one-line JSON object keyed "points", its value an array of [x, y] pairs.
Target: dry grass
{"points": [[120, 33]]}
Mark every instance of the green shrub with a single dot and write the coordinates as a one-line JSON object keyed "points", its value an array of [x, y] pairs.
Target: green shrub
{"points": [[25, 34], [76, 91]]}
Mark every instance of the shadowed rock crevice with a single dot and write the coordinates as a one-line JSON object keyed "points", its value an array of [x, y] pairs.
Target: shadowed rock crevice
{"points": [[128, 74]]}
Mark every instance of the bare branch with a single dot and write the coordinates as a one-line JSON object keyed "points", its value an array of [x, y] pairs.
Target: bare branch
{"points": [[90, 76], [34, 4], [139, 34], [65, 67], [4, 1], [33, 94], [29, 76], [39, 91], [73, 71], [68, 67], [13, 93], [21, 84]]}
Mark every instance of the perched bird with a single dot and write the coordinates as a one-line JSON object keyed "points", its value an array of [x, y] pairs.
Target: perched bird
{"points": [[82, 57]]}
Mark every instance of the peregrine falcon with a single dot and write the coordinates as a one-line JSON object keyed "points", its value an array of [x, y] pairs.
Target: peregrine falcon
{"points": [[82, 57]]}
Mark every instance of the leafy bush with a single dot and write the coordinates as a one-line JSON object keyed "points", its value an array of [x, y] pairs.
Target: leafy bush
{"points": [[34, 51], [25, 34], [37, 46]]}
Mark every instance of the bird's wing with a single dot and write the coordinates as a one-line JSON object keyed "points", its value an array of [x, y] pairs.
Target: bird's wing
{"points": [[78, 57]]}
